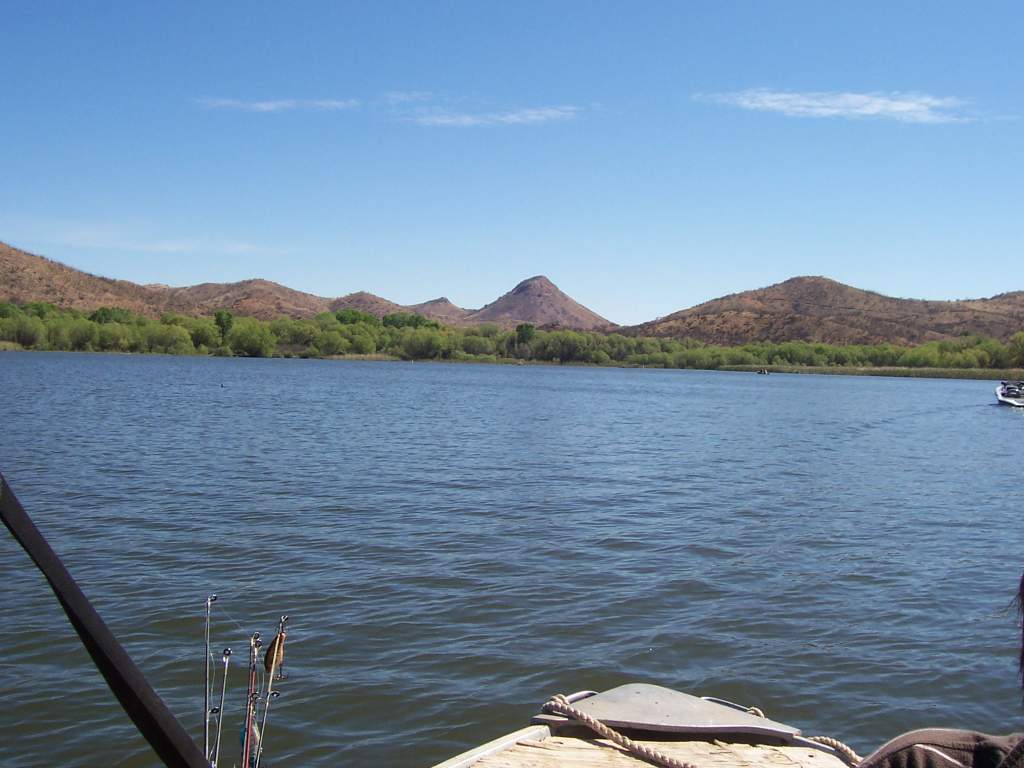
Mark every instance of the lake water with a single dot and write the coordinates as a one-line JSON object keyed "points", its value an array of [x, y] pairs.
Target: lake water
{"points": [[455, 543]]}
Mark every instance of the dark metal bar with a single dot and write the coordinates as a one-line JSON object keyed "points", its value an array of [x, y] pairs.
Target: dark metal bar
{"points": [[147, 710]]}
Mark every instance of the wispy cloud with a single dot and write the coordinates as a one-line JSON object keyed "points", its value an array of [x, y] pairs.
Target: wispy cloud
{"points": [[396, 98], [280, 105], [180, 246], [128, 237], [156, 245], [527, 116], [418, 107], [904, 107]]}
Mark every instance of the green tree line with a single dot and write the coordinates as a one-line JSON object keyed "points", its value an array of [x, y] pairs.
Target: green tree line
{"points": [[414, 337]]}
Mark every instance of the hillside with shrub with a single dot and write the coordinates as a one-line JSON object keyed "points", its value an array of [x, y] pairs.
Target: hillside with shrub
{"points": [[816, 309], [28, 278], [408, 336]]}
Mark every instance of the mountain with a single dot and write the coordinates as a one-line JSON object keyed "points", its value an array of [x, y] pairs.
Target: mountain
{"points": [[366, 302], [442, 310], [802, 308], [253, 298], [819, 309], [539, 301], [25, 277]]}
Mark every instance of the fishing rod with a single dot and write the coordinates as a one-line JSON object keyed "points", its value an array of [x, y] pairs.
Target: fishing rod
{"points": [[210, 600], [272, 661], [226, 658], [155, 722], [251, 695], [266, 708]]}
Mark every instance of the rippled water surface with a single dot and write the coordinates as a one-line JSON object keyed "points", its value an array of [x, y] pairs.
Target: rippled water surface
{"points": [[454, 543]]}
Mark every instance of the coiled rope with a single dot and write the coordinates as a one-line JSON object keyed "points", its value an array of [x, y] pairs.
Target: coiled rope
{"points": [[846, 751], [559, 704]]}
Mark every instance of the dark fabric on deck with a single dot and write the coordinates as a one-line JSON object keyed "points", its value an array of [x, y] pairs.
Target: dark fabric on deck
{"points": [[946, 748]]}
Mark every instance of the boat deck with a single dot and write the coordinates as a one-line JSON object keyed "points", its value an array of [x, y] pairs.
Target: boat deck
{"points": [[534, 748], [704, 733]]}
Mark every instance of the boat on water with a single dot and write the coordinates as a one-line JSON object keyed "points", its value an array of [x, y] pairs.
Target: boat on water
{"points": [[1011, 393], [640, 724]]}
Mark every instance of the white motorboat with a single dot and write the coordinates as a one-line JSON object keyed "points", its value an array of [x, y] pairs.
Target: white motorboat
{"points": [[1011, 393]]}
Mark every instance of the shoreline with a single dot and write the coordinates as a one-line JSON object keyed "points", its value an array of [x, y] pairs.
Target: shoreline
{"points": [[993, 374]]}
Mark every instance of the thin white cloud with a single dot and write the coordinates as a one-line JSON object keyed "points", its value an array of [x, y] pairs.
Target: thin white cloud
{"points": [[280, 105], [185, 246], [396, 98], [420, 107], [528, 116], [904, 107], [121, 237]]}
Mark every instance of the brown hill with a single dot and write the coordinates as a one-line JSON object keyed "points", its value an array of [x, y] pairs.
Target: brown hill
{"points": [[539, 301], [803, 308], [253, 298], [442, 310], [366, 302], [25, 277], [819, 309]]}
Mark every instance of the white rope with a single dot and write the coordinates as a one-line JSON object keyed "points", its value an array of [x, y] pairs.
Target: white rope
{"points": [[559, 704], [844, 751], [851, 757]]}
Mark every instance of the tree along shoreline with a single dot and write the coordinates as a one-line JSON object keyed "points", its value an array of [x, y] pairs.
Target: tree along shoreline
{"points": [[350, 334], [984, 374]]}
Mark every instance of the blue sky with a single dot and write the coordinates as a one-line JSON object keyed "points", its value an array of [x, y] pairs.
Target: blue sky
{"points": [[645, 156]]}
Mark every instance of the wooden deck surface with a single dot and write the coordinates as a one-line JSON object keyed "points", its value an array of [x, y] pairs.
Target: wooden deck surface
{"points": [[569, 752]]}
